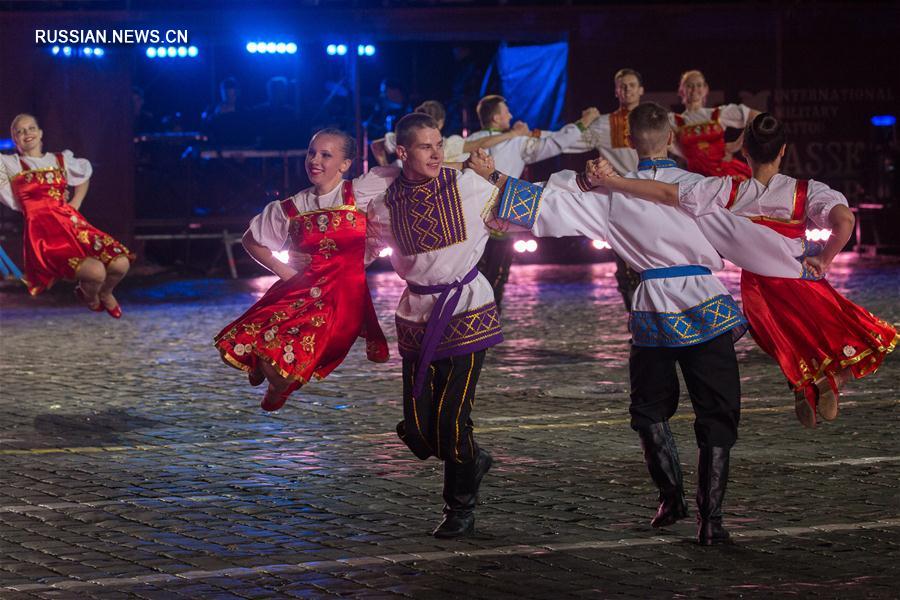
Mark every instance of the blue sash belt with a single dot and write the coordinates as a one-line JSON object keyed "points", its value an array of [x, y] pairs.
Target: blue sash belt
{"points": [[679, 271]]}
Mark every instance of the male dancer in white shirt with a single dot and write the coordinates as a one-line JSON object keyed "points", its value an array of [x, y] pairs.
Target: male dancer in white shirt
{"points": [[437, 221], [609, 136], [510, 158], [682, 313]]}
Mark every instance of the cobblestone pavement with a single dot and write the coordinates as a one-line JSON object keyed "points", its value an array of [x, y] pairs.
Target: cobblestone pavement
{"points": [[137, 465]]}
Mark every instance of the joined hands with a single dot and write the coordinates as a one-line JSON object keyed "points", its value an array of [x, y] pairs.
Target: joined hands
{"points": [[481, 162], [598, 172]]}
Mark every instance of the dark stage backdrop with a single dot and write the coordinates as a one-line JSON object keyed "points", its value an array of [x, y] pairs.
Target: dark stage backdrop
{"points": [[826, 69], [82, 105]]}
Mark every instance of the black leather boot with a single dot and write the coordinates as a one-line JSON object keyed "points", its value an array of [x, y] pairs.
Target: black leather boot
{"points": [[661, 457], [712, 478], [461, 483]]}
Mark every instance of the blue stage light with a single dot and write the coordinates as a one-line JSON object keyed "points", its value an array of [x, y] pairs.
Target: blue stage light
{"points": [[160, 52], [339, 49], [360, 49], [884, 120], [193, 51], [171, 51], [79, 51], [182, 51], [370, 50], [260, 47]]}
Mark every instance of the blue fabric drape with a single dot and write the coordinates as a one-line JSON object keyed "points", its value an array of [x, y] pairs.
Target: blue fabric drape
{"points": [[533, 81]]}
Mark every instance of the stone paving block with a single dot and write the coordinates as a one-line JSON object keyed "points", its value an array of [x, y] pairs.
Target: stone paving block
{"points": [[170, 468]]}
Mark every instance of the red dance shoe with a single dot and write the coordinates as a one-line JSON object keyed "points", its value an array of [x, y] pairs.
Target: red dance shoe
{"points": [[256, 377], [828, 395], [803, 408], [115, 312], [377, 351], [274, 400], [79, 293]]}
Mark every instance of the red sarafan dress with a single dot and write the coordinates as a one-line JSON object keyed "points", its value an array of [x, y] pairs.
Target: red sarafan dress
{"points": [[703, 146], [807, 326], [304, 327], [57, 238]]}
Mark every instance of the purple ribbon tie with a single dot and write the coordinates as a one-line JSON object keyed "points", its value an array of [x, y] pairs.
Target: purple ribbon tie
{"points": [[437, 322]]}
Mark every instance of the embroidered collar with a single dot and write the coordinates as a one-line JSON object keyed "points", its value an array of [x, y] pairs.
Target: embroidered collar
{"points": [[405, 183], [646, 164]]}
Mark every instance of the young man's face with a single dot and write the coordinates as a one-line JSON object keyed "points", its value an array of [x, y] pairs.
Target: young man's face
{"points": [[502, 117], [629, 91], [423, 157]]}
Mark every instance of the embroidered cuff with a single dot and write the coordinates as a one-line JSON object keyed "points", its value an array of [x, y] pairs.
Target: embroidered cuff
{"points": [[519, 202]]}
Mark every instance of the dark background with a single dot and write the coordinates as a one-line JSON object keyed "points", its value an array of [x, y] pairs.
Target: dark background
{"points": [[825, 68]]}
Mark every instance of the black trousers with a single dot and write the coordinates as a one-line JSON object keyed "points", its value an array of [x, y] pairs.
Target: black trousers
{"points": [[495, 264], [711, 373], [439, 422]]}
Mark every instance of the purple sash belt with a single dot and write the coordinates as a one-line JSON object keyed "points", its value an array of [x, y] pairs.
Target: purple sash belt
{"points": [[437, 322]]}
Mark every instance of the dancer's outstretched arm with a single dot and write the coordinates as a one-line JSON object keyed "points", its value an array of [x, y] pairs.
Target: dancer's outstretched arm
{"points": [[489, 141], [600, 173], [550, 144], [379, 152]]}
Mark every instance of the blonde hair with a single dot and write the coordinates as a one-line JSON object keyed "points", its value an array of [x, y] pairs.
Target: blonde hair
{"points": [[19, 117], [687, 74], [433, 109]]}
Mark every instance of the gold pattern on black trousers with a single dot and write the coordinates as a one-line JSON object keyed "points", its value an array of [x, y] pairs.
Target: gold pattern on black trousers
{"points": [[439, 422]]}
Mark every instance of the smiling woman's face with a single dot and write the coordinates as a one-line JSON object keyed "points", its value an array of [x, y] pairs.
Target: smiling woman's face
{"points": [[693, 89], [26, 134], [325, 160]]}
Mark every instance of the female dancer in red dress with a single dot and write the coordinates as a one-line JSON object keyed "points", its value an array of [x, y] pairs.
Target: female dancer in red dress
{"points": [[59, 243], [829, 339], [819, 338], [305, 324], [700, 131]]}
